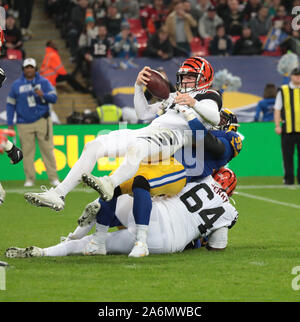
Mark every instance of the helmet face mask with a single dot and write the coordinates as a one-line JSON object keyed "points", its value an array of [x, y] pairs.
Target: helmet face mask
{"points": [[228, 120], [200, 69]]}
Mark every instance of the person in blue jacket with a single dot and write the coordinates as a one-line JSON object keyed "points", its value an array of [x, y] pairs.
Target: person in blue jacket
{"points": [[266, 105], [29, 99]]}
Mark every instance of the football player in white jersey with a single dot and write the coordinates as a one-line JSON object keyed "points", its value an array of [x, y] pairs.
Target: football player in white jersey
{"points": [[163, 137], [201, 209]]}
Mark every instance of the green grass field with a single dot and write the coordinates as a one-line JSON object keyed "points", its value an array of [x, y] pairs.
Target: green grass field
{"points": [[257, 265]]}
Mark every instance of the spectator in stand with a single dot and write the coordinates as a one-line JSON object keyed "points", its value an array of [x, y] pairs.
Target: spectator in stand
{"points": [[266, 105], [261, 24], [276, 36], [188, 9], [125, 45], [208, 23], [54, 71], [99, 10], [251, 9], [248, 44], [129, 9], [291, 43], [153, 16], [100, 46], [233, 19], [113, 21], [274, 7], [84, 42], [77, 25], [25, 11], [89, 32], [179, 24], [222, 8], [13, 36], [280, 17], [221, 44], [200, 8], [159, 46]]}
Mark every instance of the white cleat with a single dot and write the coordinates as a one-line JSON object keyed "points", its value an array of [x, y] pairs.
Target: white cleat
{"points": [[89, 213], [139, 249], [48, 198], [95, 248], [16, 252], [102, 185]]}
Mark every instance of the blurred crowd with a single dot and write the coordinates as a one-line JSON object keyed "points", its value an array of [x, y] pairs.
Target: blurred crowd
{"points": [[167, 28], [159, 28], [15, 23]]}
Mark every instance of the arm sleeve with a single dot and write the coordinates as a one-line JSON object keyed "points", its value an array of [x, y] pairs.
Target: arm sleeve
{"points": [[11, 102], [209, 110], [215, 146], [144, 111], [49, 93], [278, 101]]}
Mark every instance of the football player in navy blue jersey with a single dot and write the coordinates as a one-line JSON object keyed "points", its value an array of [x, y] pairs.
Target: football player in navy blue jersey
{"points": [[220, 146]]}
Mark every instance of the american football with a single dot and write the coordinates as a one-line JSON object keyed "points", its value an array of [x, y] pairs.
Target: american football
{"points": [[158, 85]]}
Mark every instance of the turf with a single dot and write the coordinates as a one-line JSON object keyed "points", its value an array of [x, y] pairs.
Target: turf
{"points": [[257, 265]]}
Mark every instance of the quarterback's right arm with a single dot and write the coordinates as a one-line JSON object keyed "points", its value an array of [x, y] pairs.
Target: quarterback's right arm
{"points": [[144, 111]]}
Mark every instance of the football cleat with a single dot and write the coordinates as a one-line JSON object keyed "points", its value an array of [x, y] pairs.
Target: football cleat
{"points": [[16, 252], [95, 248], [48, 198], [89, 213], [139, 249], [102, 185]]}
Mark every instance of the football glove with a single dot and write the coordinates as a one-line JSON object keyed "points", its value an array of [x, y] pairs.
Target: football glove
{"points": [[15, 155], [2, 77], [188, 112]]}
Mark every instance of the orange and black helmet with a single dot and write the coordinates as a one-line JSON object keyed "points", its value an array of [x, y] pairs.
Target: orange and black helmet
{"points": [[198, 67], [226, 179]]}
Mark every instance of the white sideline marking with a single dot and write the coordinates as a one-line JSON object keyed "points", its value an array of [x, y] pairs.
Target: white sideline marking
{"points": [[278, 186], [22, 191], [269, 200]]}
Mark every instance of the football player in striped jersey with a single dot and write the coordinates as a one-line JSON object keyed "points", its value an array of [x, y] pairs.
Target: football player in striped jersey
{"points": [[161, 139]]}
